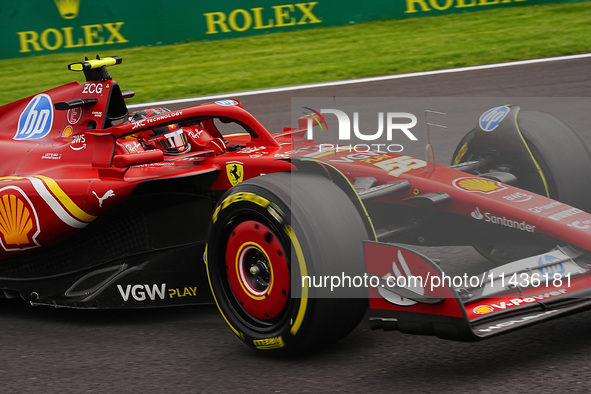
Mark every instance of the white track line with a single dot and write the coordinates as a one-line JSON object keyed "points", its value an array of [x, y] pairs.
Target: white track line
{"points": [[361, 80]]}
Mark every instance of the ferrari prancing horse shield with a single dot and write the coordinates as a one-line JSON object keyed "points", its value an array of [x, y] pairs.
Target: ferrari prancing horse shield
{"points": [[235, 172]]}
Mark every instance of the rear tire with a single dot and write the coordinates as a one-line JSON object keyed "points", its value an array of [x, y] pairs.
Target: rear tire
{"points": [[266, 234]]}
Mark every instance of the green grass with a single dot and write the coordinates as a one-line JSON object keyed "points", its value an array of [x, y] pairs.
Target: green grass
{"points": [[322, 54]]}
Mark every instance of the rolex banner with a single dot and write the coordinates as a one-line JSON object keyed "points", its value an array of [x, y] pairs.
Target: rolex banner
{"points": [[39, 27]]}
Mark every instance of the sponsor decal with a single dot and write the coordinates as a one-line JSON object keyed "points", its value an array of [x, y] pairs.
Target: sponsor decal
{"points": [[365, 156], [491, 119], [227, 103], [51, 156], [502, 221], [399, 165], [153, 119], [19, 222], [476, 214], [252, 149], [395, 166], [73, 115], [36, 120], [478, 185], [269, 343], [583, 225], [168, 164], [565, 214], [483, 309], [88, 35], [261, 18], [235, 172], [67, 132], [108, 194], [132, 146], [435, 6], [182, 292], [92, 88], [196, 133], [146, 292], [550, 270], [513, 322], [303, 151], [78, 142], [142, 292], [371, 157], [547, 207], [510, 303], [518, 197]]}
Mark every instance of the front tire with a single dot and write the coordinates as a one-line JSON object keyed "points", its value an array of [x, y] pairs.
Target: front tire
{"points": [[268, 234], [552, 162]]}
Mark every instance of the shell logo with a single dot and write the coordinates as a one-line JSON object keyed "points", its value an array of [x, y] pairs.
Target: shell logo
{"points": [[478, 185], [483, 309], [67, 132], [19, 224]]}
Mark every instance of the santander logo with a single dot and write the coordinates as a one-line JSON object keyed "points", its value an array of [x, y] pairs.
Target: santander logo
{"points": [[502, 221], [476, 214]]}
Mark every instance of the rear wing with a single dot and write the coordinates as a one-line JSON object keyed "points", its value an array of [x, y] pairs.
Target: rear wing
{"points": [[414, 295]]}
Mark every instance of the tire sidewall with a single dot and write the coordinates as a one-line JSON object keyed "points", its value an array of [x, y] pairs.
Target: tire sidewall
{"points": [[321, 231], [238, 205]]}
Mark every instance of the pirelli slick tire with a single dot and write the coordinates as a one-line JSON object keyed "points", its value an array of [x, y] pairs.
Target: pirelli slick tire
{"points": [[560, 159], [273, 242]]}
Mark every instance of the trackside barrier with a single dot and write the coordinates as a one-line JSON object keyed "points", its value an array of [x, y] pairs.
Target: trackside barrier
{"points": [[41, 27]]}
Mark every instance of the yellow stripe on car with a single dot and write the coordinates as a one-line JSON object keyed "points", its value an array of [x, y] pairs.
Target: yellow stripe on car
{"points": [[66, 201], [59, 202]]}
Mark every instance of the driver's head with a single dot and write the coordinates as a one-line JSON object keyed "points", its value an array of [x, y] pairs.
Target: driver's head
{"points": [[171, 138]]}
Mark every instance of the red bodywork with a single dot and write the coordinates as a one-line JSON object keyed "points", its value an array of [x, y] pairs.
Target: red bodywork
{"points": [[70, 156], [68, 177]]}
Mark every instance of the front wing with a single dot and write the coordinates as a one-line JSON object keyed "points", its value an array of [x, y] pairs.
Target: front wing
{"points": [[412, 294]]}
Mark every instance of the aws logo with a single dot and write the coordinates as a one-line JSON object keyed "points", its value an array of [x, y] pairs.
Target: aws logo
{"points": [[19, 223]]}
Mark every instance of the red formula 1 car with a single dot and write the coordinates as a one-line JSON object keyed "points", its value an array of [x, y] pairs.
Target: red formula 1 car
{"points": [[103, 208]]}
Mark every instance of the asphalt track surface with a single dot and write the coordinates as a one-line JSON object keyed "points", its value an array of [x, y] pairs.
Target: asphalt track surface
{"points": [[190, 349]]}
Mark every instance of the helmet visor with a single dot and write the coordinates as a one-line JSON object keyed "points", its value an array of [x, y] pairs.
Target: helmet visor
{"points": [[174, 141]]}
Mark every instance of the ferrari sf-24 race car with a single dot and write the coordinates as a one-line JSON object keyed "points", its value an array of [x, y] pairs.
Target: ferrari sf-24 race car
{"points": [[103, 208]]}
